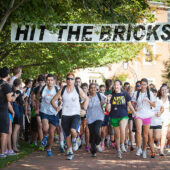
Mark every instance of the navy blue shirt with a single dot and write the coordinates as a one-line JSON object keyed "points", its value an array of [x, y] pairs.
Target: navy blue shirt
{"points": [[119, 104]]}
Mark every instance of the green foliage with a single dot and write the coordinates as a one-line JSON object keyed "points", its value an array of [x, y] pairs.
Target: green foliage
{"points": [[166, 74], [122, 77], [36, 58]]}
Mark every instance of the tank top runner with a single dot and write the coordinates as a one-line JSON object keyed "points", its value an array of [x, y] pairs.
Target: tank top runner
{"points": [[71, 103], [45, 106]]}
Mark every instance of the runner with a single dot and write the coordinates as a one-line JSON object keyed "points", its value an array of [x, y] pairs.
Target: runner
{"points": [[84, 130], [117, 105], [71, 111], [144, 100], [156, 124], [165, 99], [95, 117], [48, 114], [5, 96]]}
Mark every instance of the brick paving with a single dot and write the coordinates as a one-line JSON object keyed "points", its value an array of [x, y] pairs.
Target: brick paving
{"points": [[83, 160]]}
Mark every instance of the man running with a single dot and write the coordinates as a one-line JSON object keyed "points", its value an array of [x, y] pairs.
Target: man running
{"points": [[49, 115], [71, 111]]}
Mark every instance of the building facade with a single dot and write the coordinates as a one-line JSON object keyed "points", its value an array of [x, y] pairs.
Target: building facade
{"points": [[142, 66]]}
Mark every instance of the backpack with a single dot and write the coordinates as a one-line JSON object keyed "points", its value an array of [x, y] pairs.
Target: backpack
{"points": [[42, 89], [148, 94], [77, 89]]}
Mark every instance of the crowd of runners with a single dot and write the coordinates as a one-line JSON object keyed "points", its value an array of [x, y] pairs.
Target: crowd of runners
{"points": [[113, 115]]}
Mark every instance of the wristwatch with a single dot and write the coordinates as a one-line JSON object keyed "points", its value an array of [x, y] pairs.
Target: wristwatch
{"points": [[84, 109]]}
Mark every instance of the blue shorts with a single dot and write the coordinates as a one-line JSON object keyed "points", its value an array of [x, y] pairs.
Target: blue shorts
{"points": [[53, 119], [10, 117], [106, 120]]}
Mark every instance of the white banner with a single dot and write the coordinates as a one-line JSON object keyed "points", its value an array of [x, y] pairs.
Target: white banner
{"points": [[93, 33]]}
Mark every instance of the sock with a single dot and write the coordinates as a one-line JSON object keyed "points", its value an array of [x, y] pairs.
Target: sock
{"points": [[45, 137], [62, 143], [74, 140], [48, 150], [108, 137], [103, 140], [70, 150]]}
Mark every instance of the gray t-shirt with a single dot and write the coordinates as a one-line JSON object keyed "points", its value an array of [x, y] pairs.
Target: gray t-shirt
{"points": [[94, 110]]}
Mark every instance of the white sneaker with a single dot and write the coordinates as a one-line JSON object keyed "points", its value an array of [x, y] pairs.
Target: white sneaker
{"points": [[99, 148], [139, 152], [119, 154], [144, 154], [79, 142], [75, 146], [123, 148]]}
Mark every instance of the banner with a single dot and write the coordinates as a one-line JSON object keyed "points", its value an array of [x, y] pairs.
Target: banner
{"points": [[92, 33]]}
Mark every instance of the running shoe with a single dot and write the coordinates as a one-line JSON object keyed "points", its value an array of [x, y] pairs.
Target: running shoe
{"points": [[144, 154], [62, 150], [79, 142], [70, 156], [102, 145], [11, 153], [41, 148], [93, 154], [131, 148], [75, 146], [153, 155], [44, 141], [119, 154], [6, 152], [162, 153], [3, 156], [49, 153], [139, 152], [123, 149], [114, 145], [99, 148], [87, 149]]}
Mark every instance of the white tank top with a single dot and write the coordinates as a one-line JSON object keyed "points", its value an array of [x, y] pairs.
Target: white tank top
{"points": [[71, 104]]}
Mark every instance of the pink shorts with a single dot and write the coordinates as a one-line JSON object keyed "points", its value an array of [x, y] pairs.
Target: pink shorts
{"points": [[146, 121]]}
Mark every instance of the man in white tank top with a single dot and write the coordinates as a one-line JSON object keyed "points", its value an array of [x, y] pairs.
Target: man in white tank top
{"points": [[48, 114], [71, 110]]}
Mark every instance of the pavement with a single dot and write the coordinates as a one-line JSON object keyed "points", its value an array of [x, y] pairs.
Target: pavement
{"points": [[106, 160]]}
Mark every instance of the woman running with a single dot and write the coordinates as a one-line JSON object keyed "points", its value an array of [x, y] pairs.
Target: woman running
{"points": [[144, 100], [117, 105]]}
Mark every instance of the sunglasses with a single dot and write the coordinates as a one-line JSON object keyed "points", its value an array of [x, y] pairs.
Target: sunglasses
{"points": [[70, 78], [138, 86]]}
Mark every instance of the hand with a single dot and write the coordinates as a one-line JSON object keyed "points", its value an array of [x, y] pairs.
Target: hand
{"points": [[82, 113], [37, 111], [58, 109], [13, 114], [158, 114], [135, 115], [108, 98]]}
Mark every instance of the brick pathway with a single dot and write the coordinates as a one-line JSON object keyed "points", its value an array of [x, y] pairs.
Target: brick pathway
{"points": [[83, 160]]}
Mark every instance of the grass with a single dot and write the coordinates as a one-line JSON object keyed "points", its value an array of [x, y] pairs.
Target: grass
{"points": [[25, 149]]}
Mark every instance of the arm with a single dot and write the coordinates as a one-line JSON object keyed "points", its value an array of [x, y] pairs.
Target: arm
{"points": [[37, 102], [10, 108], [83, 95], [161, 111], [108, 104], [131, 108], [55, 98], [9, 97]]}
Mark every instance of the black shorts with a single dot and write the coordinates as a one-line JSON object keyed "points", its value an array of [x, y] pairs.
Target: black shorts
{"points": [[130, 116], [4, 123], [34, 124], [106, 120], [70, 122], [156, 127]]}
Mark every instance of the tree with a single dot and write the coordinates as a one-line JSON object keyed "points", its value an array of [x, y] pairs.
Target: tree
{"points": [[59, 58]]}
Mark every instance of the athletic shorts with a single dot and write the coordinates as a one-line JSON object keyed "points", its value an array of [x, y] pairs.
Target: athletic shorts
{"points": [[34, 124], [53, 119], [130, 116], [10, 118], [156, 127], [116, 121], [106, 120], [146, 121], [70, 122], [4, 123]]}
